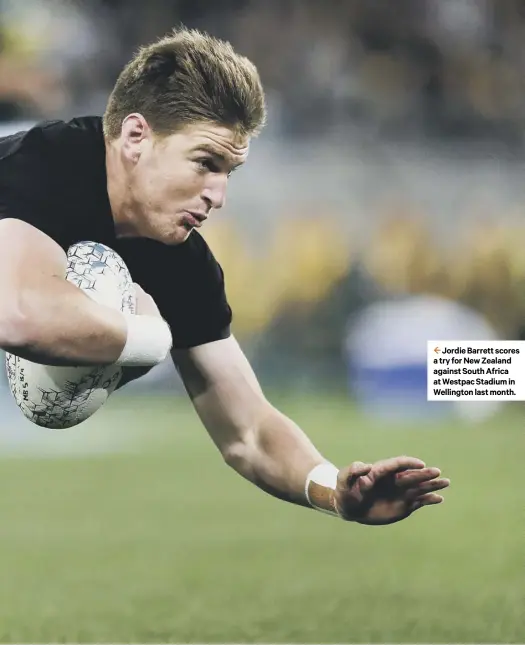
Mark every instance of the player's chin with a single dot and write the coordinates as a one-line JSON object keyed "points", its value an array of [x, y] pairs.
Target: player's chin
{"points": [[173, 236]]}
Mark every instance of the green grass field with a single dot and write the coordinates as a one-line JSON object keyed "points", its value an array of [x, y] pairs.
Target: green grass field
{"points": [[166, 544]]}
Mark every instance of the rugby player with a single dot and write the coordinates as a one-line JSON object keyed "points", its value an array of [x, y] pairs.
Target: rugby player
{"points": [[142, 180]]}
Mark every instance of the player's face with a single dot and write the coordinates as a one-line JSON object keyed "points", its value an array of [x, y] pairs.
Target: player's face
{"points": [[174, 183]]}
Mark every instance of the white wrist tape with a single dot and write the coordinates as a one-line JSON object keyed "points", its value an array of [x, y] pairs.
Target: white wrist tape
{"points": [[148, 342], [320, 481]]}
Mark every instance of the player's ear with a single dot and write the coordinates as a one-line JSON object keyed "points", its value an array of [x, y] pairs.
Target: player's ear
{"points": [[134, 133]]}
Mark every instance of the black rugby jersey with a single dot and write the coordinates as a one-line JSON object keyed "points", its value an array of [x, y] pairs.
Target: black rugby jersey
{"points": [[53, 176]]}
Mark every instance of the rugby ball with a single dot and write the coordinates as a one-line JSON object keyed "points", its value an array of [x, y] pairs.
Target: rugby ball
{"points": [[62, 397]]}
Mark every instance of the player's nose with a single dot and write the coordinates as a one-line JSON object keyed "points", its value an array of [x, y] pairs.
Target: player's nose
{"points": [[215, 191]]}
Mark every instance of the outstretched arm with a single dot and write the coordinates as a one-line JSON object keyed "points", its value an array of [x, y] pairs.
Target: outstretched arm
{"points": [[269, 449]]}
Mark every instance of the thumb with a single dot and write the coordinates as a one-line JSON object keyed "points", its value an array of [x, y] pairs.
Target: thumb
{"points": [[349, 475]]}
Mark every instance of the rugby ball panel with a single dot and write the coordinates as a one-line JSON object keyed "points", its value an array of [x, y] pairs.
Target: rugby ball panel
{"points": [[87, 262], [62, 397], [59, 397]]}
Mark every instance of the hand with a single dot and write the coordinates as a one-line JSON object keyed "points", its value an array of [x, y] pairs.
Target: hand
{"points": [[146, 306], [387, 491]]}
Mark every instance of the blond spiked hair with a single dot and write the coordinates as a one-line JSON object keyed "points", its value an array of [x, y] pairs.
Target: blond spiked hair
{"points": [[186, 77]]}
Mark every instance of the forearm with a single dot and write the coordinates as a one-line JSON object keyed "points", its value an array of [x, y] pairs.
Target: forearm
{"points": [[277, 456], [57, 324], [254, 438]]}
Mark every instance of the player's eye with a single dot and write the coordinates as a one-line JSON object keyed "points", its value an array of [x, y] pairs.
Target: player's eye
{"points": [[207, 164]]}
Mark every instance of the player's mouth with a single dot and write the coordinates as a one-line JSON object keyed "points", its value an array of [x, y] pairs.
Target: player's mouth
{"points": [[193, 220]]}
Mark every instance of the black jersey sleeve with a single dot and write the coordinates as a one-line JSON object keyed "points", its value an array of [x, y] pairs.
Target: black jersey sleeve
{"points": [[186, 282]]}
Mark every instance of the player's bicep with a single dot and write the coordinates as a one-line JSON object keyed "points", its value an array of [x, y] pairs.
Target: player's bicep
{"points": [[224, 390], [28, 257]]}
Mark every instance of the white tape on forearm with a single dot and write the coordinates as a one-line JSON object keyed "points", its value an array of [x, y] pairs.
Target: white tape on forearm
{"points": [[324, 475], [148, 341]]}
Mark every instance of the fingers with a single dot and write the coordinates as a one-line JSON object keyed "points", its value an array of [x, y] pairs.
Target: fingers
{"points": [[396, 464], [427, 487], [409, 478], [435, 484], [430, 499]]}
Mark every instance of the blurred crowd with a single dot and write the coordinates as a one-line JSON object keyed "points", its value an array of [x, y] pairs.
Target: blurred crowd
{"points": [[449, 68]]}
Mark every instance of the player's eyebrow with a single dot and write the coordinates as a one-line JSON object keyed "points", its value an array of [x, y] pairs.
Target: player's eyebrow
{"points": [[218, 156]]}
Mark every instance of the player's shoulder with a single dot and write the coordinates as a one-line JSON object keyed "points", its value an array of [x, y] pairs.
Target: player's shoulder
{"points": [[186, 282], [48, 169], [193, 257], [196, 251], [191, 267], [46, 138], [197, 246], [203, 255]]}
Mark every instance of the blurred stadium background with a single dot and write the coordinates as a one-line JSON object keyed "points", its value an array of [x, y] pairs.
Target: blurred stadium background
{"points": [[383, 206]]}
